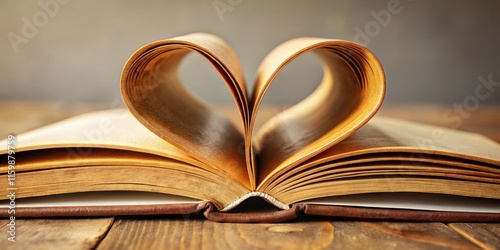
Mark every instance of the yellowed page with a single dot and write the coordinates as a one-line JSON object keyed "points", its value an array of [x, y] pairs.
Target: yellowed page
{"points": [[384, 185], [115, 128], [350, 93], [103, 198], [176, 179], [408, 142], [154, 94], [384, 134], [391, 155], [412, 201], [103, 137]]}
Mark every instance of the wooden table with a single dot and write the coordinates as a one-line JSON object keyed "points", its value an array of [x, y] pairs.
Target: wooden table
{"points": [[174, 232]]}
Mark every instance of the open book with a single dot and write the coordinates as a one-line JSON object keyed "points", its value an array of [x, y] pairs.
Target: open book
{"points": [[171, 153]]}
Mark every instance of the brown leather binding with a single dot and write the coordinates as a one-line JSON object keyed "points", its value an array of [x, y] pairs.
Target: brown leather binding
{"points": [[398, 214], [330, 212], [75, 211]]}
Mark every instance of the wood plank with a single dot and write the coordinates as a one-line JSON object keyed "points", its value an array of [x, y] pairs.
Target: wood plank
{"points": [[485, 235], [55, 233], [178, 233], [397, 235]]}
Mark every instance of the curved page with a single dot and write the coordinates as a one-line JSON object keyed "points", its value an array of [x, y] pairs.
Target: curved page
{"points": [[350, 93], [154, 94]]}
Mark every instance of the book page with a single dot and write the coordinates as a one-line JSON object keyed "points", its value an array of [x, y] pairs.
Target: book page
{"points": [[173, 178], [390, 155], [350, 93], [413, 201], [384, 134], [77, 140], [410, 143], [103, 198], [154, 94]]}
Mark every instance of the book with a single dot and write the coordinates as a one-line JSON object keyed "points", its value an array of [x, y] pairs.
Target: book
{"points": [[328, 155]]}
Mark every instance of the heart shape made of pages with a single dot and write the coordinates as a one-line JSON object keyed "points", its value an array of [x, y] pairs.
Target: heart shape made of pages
{"points": [[350, 93]]}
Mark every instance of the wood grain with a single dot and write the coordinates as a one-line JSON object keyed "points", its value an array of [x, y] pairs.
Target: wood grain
{"points": [[178, 233], [55, 233], [485, 235], [397, 235]]}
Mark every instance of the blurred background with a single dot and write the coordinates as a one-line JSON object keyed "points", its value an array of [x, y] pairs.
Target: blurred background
{"points": [[74, 50]]}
